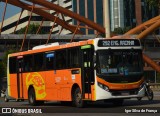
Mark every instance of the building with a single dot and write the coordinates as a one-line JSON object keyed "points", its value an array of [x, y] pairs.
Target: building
{"points": [[9, 24], [151, 48], [65, 4], [91, 9], [123, 13]]}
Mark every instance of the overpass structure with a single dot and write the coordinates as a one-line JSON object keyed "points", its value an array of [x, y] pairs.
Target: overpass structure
{"points": [[34, 39], [40, 6]]}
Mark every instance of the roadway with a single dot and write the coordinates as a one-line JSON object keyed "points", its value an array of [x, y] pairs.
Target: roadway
{"points": [[131, 106]]}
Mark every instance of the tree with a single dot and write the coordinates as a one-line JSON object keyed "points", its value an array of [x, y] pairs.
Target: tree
{"points": [[3, 63], [126, 29], [158, 78], [121, 30], [154, 3], [118, 30], [2, 70], [32, 29]]}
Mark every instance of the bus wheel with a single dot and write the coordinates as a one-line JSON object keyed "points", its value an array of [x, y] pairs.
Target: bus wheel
{"points": [[32, 97], [77, 98]]}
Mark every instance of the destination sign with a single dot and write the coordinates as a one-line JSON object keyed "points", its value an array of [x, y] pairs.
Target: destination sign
{"points": [[117, 43]]}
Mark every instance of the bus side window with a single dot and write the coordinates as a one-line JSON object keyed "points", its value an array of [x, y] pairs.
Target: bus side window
{"points": [[61, 59], [28, 63], [38, 62], [50, 61], [73, 59], [12, 65]]}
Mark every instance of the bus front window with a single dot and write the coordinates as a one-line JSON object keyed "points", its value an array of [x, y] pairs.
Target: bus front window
{"points": [[119, 62]]}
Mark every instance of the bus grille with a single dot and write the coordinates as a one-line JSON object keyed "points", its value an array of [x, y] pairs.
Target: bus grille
{"points": [[124, 92]]}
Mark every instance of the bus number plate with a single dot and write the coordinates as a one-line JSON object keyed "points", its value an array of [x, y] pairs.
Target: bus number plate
{"points": [[125, 93]]}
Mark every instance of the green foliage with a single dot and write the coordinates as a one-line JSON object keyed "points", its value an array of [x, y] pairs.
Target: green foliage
{"points": [[2, 69], [158, 77], [120, 30], [3, 63], [153, 3], [126, 29], [32, 29]]}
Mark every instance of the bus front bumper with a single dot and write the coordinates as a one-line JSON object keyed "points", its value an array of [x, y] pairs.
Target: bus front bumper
{"points": [[102, 94]]}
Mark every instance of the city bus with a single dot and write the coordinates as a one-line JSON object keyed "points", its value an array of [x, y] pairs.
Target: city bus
{"points": [[78, 72]]}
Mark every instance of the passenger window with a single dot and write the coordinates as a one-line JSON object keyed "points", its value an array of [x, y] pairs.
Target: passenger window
{"points": [[61, 59], [73, 58], [38, 62], [28, 63], [50, 61], [12, 65]]}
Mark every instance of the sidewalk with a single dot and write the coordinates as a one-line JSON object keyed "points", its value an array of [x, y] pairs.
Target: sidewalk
{"points": [[156, 93], [156, 88]]}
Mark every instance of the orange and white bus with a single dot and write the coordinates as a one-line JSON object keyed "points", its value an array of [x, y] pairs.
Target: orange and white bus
{"points": [[91, 70]]}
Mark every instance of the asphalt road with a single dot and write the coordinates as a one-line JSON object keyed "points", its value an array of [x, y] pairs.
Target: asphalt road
{"points": [[130, 106]]}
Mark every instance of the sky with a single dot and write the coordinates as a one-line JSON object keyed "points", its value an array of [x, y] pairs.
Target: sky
{"points": [[11, 10]]}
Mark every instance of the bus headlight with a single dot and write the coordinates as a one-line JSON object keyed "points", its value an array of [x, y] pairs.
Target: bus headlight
{"points": [[100, 85], [103, 86]]}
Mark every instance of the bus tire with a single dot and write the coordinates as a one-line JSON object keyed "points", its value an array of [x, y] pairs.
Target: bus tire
{"points": [[77, 98], [150, 95], [32, 97]]}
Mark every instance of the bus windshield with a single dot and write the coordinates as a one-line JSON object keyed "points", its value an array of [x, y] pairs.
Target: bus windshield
{"points": [[119, 62]]}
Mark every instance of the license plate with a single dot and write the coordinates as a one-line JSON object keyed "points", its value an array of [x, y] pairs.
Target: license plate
{"points": [[124, 93]]}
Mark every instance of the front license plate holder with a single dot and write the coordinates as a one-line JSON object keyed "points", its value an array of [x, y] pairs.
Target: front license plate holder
{"points": [[125, 93]]}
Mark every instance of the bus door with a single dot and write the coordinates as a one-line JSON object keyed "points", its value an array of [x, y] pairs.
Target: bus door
{"points": [[20, 77], [87, 71]]}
